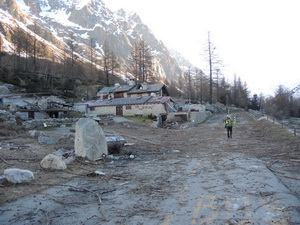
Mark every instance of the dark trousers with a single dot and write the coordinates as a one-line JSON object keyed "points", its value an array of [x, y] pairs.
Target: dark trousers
{"points": [[229, 132]]}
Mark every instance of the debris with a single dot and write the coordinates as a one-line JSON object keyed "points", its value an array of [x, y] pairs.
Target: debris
{"points": [[67, 156], [35, 133], [129, 144], [96, 173], [6, 161], [44, 140], [86, 190], [17, 176], [175, 151], [124, 183], [99, 173], [140, 139], [115, 144]]}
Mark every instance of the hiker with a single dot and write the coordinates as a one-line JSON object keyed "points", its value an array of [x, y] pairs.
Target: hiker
{"points": [[228, 125]]}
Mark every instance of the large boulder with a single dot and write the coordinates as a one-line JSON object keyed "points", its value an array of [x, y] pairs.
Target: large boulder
{"points": [[90, 141], [53, 162], [198, 117], [17, 176]]}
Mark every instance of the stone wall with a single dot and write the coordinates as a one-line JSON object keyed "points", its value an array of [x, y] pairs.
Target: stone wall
{"points": [[103, 110]]}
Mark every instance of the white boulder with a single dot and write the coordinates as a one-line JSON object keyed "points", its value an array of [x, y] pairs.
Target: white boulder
{"points": [[53, 162], [17, 176]]}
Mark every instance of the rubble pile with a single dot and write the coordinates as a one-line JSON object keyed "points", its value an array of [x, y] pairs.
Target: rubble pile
{"points": [[105, 119], [38, 123]]}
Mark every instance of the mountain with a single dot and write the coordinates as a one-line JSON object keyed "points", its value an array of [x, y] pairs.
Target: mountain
{"points": [[60, 24], [182, 62]]}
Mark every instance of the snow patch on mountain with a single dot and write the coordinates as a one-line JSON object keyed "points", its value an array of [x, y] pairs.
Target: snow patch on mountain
{"points": [[80, 21]]}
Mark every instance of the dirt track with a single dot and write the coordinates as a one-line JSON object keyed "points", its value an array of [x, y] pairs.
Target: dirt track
{"points": [[191, 176]]}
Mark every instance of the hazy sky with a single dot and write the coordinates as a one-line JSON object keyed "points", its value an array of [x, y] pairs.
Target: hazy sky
{"points": [[258, 40]]}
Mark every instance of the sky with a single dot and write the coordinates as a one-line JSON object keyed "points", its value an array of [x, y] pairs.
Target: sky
{"points": [[257, 40]]}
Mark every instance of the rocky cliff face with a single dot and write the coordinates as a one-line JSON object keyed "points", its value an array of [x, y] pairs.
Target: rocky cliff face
{"points": [[80, 21]]}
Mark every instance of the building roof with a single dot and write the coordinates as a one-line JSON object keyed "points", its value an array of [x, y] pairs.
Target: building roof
{"points": [[127, 101], [120, 101], [150, 88], [132, 89], [116, 89], [159, 99]]}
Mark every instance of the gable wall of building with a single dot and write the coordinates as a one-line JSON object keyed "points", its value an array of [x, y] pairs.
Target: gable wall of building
{"points": [[145, 110]]}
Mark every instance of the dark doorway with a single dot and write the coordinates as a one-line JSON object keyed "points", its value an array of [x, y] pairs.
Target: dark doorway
{"points": [[119, 110]]}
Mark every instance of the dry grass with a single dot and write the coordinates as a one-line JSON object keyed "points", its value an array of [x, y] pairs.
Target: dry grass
{"points": [[7, 129]]}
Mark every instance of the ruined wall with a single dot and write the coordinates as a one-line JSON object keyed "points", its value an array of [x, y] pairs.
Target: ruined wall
{"points": [[103, 110]]}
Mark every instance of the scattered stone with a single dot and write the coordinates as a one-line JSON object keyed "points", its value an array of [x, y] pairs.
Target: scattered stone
{"points": [[2, 179], [67, 140], [175, 151], [17, 176], [90, 141], [35, 133], [96, 173], [54, 162], [67, 156], [47, 140]]}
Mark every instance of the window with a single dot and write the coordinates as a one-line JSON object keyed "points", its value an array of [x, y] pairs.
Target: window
{"points": [[128, 107], [31, 115]]}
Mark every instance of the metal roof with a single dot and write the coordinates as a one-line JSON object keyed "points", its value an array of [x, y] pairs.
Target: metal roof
{"points": [[127, 101], [150, 88], [132, 89], [159, 99], [115, 89]]}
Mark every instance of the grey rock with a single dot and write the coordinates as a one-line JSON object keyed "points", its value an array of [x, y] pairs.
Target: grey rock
{"points": [[90, 141], [53, 162], [17, 176]]}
